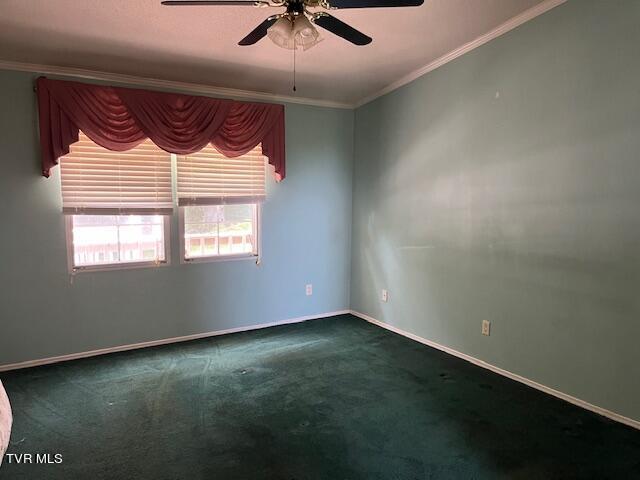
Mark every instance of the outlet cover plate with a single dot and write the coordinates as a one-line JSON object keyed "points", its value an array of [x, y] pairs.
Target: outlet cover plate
{"points": [[486, 327]]}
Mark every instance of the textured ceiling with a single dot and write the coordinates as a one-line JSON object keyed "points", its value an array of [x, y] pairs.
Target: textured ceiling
{"points": [[199, 44]]}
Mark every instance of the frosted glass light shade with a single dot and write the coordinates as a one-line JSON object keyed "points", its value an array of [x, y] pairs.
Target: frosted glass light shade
{"points": [[304, 33], [298, 32], [281, 33]]}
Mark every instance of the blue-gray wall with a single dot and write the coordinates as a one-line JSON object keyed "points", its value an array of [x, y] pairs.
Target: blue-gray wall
{"points": [[505, 186], [306, 225]]}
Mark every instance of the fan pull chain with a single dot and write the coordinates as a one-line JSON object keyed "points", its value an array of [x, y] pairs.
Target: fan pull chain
{"points": [[294, 68]]}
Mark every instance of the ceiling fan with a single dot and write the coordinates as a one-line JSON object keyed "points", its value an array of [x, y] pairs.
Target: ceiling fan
{"points": [[295, 27]]}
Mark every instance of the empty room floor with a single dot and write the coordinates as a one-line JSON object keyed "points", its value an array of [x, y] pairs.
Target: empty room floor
{"points": [[336, 398]]}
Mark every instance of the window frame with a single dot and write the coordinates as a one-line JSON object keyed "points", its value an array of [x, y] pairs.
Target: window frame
{"points": [[106, 267], [221, 258]]}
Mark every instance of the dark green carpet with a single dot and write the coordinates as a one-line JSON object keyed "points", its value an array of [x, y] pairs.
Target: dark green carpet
{"points": [[328, 399]]}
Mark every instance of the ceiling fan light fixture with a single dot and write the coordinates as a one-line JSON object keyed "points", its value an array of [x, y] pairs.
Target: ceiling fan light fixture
{"points": [[281, 33], [294, 32], [305, 33]]}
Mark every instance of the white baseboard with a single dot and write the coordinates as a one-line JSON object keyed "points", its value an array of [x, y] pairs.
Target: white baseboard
{"points": [[513, 376], [164, 341]]}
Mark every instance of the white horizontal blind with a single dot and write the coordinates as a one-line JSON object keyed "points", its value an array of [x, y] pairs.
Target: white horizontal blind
{"points": [[98, 181], [209, 178]]}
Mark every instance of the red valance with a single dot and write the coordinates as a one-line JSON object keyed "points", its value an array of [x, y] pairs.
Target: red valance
{"points": [[120, 118]]}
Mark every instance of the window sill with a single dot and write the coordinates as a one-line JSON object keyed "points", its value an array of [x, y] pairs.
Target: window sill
{"points": [[220, 258], [117, 266]]}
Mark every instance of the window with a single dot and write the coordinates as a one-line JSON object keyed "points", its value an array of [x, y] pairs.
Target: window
{"points": [[99, 241], [219, 231], [117, 205], [219, 201]]}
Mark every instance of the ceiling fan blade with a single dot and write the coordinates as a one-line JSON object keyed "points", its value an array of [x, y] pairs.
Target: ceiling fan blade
{"points": [[341, 29], [248, 3], [374, 3], [259, 32]]}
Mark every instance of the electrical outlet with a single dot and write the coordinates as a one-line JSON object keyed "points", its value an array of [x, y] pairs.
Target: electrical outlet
{"points": [[486, 327], [309, 289], [385, 296]]}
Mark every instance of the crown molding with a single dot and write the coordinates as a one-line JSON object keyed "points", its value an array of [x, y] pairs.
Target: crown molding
{"points": [[507, 26], [166, 84]]}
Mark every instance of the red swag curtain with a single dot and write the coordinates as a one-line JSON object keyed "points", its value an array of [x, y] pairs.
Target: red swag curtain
{"points": [[120, 118]]}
